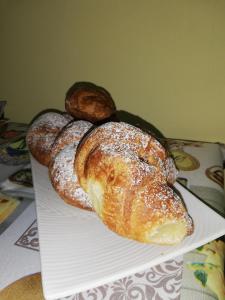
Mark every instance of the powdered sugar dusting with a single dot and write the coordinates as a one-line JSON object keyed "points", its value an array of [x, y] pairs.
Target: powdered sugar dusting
{"points": [[171, 171], [71, 133], [129, 138], [43, 132], [138, 167], [125, 132], [51, 120], [135, 147], [65, 178], [76, 129], [162, 201], [42, 141]]}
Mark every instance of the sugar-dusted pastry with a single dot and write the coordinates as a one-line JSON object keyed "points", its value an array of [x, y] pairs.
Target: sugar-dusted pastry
{"points": [[87, 101], [125, 174], [42, 133], [61, 168], [71, 133]]}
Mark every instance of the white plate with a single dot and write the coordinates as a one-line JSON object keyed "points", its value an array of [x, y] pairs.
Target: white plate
{"points": [[78, 252]]}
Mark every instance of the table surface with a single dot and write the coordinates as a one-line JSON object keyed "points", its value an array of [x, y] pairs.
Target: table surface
{"points": [[200, 168]]}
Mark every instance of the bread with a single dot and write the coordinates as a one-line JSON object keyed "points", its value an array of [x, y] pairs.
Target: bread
{"points": [[42, 133], [87, 101], [61, 171], [126, 174]]}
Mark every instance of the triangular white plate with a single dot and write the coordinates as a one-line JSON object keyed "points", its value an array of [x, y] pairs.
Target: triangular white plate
{"points": [[78, 252]]}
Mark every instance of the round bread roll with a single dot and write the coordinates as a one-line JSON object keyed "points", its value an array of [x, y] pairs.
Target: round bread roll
{"points": [[87, 101], [125, 174], [42, 133], [61, 171]]}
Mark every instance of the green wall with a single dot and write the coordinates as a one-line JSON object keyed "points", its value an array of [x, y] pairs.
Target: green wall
{"points": [[163, 60]]}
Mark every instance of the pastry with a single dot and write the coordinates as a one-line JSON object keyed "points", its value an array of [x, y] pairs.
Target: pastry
{"points": [[125, 174], [61, 171], [70, 134], [87, 101], [42, 133]]}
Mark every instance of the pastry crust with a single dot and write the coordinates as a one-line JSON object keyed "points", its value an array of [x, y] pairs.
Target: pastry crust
{"points": [[87, 101], [43, 132], [125, 173], [128, 140], [70, 134], [61, 171]]}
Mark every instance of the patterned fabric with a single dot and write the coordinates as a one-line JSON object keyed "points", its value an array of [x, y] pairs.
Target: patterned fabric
{"points": [[13, 149], [29, 239], [203, 276], [201, 169], [158, 283]]}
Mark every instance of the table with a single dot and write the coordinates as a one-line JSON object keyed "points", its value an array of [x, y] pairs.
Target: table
{"points": [[200, 170]]}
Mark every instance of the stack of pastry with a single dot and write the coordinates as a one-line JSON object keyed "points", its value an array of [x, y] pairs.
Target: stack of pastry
{"points": [[115, 169]]}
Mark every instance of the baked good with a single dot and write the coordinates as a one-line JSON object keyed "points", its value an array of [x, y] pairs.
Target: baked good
{"points": [[42, 133], [61, 171], [87, 101], [125, 174], [71, 133]]}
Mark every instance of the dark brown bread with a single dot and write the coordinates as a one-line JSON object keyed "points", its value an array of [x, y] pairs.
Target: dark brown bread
{"points": [[87, 101]]}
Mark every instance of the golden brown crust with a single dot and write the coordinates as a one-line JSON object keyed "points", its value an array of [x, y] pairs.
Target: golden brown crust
{"points": [[128, 139], [87, 101], [42, 134], [61, 171], [124, 171]]}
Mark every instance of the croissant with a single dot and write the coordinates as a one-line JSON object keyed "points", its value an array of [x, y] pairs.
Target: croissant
{"points": [[43, 132], [61, 171], [126, 174]]}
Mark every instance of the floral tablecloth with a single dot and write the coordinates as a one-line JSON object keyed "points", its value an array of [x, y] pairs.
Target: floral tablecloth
{"points": [[201, 169]]}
